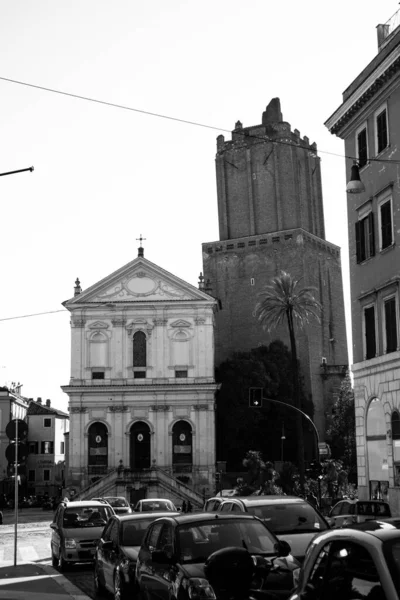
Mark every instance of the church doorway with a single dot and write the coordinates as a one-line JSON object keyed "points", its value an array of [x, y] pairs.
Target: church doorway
{"points": [[182, 450], [98, 449], [140, 446]]}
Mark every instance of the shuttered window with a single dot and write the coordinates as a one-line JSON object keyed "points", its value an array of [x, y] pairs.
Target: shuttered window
{"points": [[365, 239], [386, 224], [362, 148], [391, 325], [370, 339], [381, 131]]}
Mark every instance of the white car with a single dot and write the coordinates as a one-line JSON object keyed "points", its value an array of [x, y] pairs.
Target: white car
{"points": [[155, 505]]}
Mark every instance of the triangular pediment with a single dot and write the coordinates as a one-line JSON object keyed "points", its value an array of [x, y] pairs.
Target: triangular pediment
{"points": [[98, 325], [139, 281], [180, 323]]}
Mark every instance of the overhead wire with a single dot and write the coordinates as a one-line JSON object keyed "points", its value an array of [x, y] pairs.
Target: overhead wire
{"points": [[186, 121]]}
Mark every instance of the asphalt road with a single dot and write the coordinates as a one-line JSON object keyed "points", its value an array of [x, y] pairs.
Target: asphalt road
{"points": [[33, 545]]}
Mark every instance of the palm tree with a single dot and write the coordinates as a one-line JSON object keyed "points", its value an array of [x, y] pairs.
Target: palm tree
{"points": [[284, 301]]}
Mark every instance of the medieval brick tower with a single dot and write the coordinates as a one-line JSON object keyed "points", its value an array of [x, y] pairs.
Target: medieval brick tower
{"points": [[271, 219]]}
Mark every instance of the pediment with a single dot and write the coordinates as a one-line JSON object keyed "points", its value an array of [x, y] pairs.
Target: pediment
{"points": [[181, 323], [140, 281], [99, 325]]}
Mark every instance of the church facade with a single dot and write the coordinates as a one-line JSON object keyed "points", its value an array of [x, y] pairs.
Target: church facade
{"points": [[271, 218], [142, 387]]}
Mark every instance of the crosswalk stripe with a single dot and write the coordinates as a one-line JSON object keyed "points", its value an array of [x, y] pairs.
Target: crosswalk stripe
{"points": [[28, 553]]}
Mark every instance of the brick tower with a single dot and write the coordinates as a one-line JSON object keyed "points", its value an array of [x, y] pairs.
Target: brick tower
{"points": [[271, 219]]}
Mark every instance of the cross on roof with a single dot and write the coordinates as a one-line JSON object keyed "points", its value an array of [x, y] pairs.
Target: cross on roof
{"points": [[140, 239]]}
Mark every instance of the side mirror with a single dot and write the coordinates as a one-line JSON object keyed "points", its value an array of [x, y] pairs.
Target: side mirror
{"points": [[282, 548], [54, 526]]}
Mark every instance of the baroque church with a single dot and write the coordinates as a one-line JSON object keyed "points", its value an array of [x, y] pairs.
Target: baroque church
{"points": [[271, 219], [142, 388]]}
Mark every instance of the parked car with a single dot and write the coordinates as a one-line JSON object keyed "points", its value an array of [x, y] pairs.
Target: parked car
{"points": [[290, 518], [212, 504], [155, 504], [358, 562], [116, 553], [120, 504], [209, 555], [76, 530], [347, 512]]}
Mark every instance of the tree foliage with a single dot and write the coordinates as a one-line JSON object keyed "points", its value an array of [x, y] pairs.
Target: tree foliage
{"points": [[240, 427], [341, 430]]}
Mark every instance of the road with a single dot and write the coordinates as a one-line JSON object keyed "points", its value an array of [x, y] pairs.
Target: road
{"points": [[33, 545]]}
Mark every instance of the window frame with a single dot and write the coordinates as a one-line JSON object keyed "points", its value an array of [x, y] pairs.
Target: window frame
{"points": [[360, 129], [47, 471], [364, 330], [384, 200], [383, 107], [365, 235], [62, 447], [44, 422], [385, 299], [43, 446], [31, 475]]}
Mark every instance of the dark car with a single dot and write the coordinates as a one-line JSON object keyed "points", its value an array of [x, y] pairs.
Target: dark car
{"points": [[208, 555], [290, 518], [358, 562], [347, 512], [116, 553], [76, 530]]}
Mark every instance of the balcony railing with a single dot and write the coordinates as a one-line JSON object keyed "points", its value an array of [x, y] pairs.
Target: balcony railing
{"points": [[387, 28]]}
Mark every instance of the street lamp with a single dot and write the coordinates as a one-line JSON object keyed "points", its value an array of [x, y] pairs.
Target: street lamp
{"points": [[283, 438]]}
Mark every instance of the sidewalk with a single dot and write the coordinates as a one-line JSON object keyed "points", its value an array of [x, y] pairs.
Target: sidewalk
{"points": [[36, 582]]}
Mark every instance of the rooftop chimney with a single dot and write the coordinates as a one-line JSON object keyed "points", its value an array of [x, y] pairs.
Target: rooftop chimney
{"points": [[39, 401], [48, 402]]}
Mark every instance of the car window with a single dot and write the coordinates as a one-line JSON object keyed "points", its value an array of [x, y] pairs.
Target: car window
{"points": [[153, 536], [156, 505], [351, 573], [165, 540], [299, 517], [114, 532], [107, 530], [85, 516], [236, 508], [117, 502], [317, 574], [133, 532], [226, 507], [337, 509], [196, 541]]}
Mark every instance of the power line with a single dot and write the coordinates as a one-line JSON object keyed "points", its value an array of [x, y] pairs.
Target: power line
{"points": [[186, 121], [33, 315]]}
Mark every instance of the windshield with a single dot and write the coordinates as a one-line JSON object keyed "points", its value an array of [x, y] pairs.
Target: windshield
{"points": [[198, 540], [158, 505], [133, 532], [375, 509], [88, 516], [117, 502], [281, 518]]}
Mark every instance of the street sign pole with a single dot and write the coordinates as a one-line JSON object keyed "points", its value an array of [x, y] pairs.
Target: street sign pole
{"points": [[16, 493]]}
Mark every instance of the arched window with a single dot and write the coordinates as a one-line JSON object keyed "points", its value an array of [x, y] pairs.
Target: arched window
{"points": [[140, 446], [182, 450], [139, 349]]}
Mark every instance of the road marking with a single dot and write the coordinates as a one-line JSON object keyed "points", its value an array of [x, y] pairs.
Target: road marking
{"points": [[28, 554]]}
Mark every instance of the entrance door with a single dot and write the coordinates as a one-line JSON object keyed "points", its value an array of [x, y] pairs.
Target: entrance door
{"points": [[98, 449], [140, 446]]}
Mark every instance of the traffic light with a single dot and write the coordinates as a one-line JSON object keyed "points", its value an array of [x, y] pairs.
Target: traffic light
{"points": [[17, 449], [255, 397], [218, 477]]}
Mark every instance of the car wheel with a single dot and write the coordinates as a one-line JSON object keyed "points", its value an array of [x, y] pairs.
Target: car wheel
{"points": [[99, 587], [120, 592]]}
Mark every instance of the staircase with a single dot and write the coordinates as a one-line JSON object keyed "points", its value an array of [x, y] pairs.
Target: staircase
{"points": [[156, 482]]}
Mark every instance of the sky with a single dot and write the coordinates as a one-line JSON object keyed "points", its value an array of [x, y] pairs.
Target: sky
{"points": [[105, 175]]}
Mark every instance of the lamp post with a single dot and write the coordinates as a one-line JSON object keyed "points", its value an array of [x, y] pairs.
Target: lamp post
{"points": [[283, 438]]}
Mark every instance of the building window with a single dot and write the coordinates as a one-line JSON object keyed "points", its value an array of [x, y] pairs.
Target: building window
{"points": [[381, 130], [370, 333], [139, 375], [390, 325], [98, 375], [47, 448], [181, 374], [365, 239], [386, 229], [62, 447], [46, 422], [396, 446], [33, 447], [46, 474], [362, 146], [31, 475], [139, 349]]}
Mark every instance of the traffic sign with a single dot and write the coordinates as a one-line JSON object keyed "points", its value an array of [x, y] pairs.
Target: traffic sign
{"points": [[255, 397], [16, 426], [16, 451], [324, 449]]}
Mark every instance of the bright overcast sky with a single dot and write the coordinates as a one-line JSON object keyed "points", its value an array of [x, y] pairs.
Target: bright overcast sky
{"points": [[104, 175]]}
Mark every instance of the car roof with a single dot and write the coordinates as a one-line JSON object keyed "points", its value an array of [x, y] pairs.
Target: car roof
{"points": [[147, 515], [155, 500], [83, 503], [188, 518], [257, 500], [382, 530]]}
